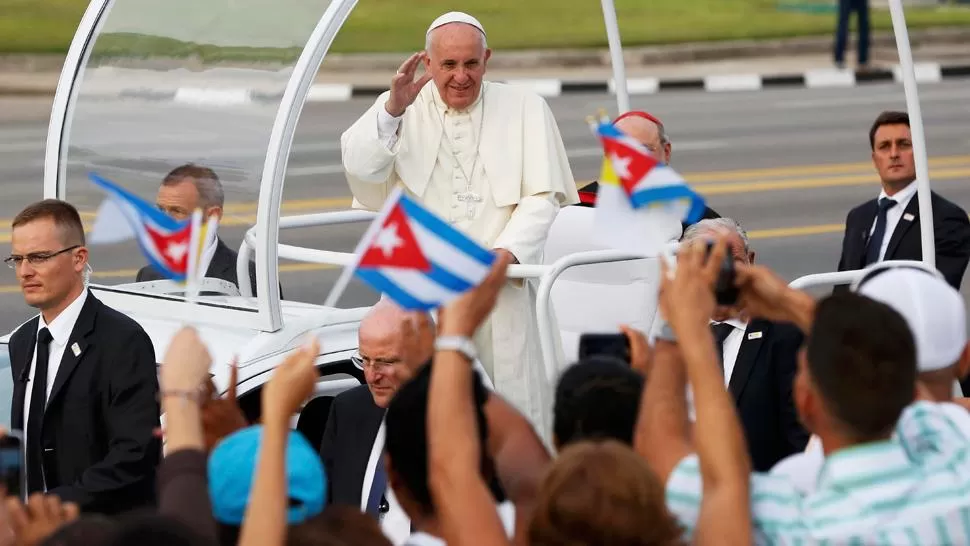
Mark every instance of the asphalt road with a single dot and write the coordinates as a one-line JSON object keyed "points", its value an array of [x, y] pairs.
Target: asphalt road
{"points": [[788, 164]]}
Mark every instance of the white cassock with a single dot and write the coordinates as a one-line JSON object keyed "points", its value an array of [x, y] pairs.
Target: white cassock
{"points": [[499, 172]]}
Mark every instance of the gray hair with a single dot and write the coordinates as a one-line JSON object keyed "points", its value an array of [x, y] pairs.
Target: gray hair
{"points": [[695, 231], [429, 37], [204, 179]]}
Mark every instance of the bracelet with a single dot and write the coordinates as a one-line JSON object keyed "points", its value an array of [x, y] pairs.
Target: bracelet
{"points": [[193, 395]]}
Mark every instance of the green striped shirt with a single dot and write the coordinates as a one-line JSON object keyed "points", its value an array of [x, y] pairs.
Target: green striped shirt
{"points": [[914, 489]]}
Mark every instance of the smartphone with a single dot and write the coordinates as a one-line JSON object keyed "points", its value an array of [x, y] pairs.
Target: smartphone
{"points": [[614, 345], [725, 291], [12, 462]]}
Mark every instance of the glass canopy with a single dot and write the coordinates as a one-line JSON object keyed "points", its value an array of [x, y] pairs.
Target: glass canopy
{"points": [[149, 85]]}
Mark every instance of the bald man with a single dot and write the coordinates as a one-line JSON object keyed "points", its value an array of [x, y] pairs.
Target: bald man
{"points": [[648, 130], [392, 345]]}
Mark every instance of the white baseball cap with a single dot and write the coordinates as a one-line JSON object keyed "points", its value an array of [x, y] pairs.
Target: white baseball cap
{"points": [[455, 17], [933, 309]]}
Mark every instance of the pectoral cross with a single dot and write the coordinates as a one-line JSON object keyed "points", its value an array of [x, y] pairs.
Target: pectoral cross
{"points": [[470, 198]]}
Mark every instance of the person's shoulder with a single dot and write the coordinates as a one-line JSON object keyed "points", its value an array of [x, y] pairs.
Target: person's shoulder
{"points": [[24, 331], [946, 206], [858, 209], [514, 93], [120, 324], [357, 396], [783, 331]]}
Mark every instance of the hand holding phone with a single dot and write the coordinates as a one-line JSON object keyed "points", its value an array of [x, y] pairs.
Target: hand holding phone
{"points": [[609, 345]]}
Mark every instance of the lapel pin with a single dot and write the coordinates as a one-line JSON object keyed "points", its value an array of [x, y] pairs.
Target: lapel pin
{"points": [[908, 217], [76, 349], [754, 335]]}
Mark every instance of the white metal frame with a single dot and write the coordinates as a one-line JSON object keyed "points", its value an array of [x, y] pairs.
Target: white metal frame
{"points": [[65, 97], [277, 156], [616, 57]]}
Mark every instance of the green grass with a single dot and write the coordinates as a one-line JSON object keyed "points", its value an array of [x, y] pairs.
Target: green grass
{"points": [[40, 26]]}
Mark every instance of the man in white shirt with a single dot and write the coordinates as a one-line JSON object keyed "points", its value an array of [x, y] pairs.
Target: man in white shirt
{"points": [[887, 228], [85, 384], [759, 360], [486, 157], [407, 461], [935, 314]]}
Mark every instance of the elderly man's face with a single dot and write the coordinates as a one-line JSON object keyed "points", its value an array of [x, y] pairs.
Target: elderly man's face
{"points": [[740, 255], [383, 354], [181, 199], [647, 133], [456, 61]]}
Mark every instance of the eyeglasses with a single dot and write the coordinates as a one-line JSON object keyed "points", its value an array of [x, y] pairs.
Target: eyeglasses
{"points": [[378, 366], [35, 258]]}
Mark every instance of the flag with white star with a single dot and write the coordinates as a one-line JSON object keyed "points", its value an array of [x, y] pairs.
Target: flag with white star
{"points": [[163, 240], [640, 202], [416, 259]]}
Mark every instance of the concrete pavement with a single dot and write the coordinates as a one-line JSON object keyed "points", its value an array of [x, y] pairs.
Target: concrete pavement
{"points": [[788, 163]]}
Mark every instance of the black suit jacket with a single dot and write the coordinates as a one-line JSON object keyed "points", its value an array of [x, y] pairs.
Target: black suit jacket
{"points": [[99, 447], [347, 443], [592, 189], [951, 234], [761, 384], [223, 266]]}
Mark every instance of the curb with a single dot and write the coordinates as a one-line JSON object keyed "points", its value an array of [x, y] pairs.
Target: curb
{"points": [[812, 79]]}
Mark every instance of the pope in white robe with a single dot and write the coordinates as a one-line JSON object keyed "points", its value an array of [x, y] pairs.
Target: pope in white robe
{"points": [[489, 159]]}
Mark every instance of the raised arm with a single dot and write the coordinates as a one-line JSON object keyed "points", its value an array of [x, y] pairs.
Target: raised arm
{"points": [[687, 301], [462, 499]]}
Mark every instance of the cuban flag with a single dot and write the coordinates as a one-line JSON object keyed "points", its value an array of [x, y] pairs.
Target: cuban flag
{"points": [[164, 241], [415, 258], [641, 202], [645, 181]]}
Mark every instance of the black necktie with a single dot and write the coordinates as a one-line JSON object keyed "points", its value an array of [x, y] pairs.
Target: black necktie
{"points": [[721, 331], [38, 401], [879, 233]]}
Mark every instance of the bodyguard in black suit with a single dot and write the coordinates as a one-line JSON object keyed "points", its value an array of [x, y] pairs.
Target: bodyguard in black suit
{"points": [[759, 360], [222, 266], [347, 444], [91, 443], [888, 228], [183, 190]]}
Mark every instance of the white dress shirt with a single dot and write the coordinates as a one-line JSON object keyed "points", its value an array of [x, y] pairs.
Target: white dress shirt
{"points": [[732, 346], [894, 215], [506, 512], [395, 523], [387, 126], [60, 329]]}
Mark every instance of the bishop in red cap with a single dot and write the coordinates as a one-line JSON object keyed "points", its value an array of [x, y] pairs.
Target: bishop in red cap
{"points": [[648, 130]]}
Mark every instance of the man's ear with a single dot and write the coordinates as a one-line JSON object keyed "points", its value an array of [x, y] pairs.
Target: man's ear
{"points": [[214, 211], [751, 256]]}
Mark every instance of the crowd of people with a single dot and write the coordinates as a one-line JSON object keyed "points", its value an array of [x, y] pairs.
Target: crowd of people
{"points": [[775, 418]]}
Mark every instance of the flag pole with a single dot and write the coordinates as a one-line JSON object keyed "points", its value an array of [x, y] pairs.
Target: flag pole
{"points": [[344, 280], [195, 243], [908, 73]]}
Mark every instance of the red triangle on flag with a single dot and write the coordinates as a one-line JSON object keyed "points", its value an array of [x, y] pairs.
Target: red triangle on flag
{"points": [[172, 247], [394, 245], [629, 164]]}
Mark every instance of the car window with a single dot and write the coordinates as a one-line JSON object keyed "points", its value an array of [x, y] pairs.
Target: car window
{"points": [[6, 386]]}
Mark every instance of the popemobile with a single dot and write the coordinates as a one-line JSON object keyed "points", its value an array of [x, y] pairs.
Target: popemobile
{"points": [[148, 85]]}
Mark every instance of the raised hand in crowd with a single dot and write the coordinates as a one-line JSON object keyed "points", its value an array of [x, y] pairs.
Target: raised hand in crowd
{"points": [[265, 521], [763, 294], [687, 301], [39, 518], [183, 372], [221, 416], [463, 501]]}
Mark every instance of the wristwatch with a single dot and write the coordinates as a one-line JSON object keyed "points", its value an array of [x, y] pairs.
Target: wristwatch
{"points": [[462, 344], [666, 333]]}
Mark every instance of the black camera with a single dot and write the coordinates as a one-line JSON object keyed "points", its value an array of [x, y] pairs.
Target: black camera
{"points": [[609, 345], [725, 290]]}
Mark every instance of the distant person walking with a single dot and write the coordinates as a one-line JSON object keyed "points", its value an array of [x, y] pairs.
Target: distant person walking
{"points": [[846, 8]]}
